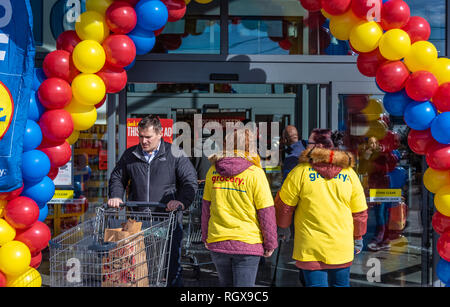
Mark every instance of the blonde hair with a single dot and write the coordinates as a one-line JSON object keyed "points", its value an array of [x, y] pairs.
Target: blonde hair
{"points": [[241, 140]]}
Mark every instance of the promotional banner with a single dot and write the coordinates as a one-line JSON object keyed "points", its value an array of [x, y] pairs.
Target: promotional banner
{"points": [[133, 135], [16, 79]]}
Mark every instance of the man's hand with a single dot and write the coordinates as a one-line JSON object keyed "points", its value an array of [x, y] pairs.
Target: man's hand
{"points": [[268, 253], [174, 205], [114, 202]]}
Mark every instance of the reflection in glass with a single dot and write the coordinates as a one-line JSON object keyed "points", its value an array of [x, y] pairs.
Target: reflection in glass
{"points": [[385, 164]]}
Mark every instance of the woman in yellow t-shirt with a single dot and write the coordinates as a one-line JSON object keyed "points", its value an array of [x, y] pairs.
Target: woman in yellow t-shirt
{"points": [[324, 194], [238, 214]]}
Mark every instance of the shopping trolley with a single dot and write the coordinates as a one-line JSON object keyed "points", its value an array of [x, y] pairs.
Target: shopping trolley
{"points": [[193, 247], [80, 257]]}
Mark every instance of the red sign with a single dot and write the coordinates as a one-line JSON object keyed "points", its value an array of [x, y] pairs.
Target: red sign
{"points": [[133, 135]]}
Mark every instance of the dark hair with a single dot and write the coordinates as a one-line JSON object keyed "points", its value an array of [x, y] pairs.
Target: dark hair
{"points": [[338, 138], [150, 121]]}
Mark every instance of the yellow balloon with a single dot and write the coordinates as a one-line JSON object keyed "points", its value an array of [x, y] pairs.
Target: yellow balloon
{"points": [[377, 129], [442, 200], [365, 36], [395, 44], [422, 56], [374, 109], [73, 137], [434, 179], [441, 70], [89, 56], [99, 6], [203, 1], [7, 232], [83, 116], [187, 1], [15, 258], [92, 25], [2, 206], [88, 89], [342, 25], [30, 278]]}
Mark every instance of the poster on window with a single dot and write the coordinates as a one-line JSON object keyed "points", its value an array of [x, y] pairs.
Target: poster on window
{"points": [[133, 134]]}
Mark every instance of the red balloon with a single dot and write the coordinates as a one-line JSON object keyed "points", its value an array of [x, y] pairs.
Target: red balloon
{"points": [[2, 280], [391, 76], [395, 14], [11, 195], [56, 125], [356, 103], [53, 173], [443, 246], [421, 85], [115, 78], [440, 222], [121, 17], [336, 7], [59, 64], [418, 29], [438, 156], [176, 9], [441, 98], [67, 40], [58, 155], [21, 212], [35, 237], [55, 93], [98, 105], [36, 260], [285, 44], [311, 5], [361, 7], [368, 63], [420, 140], [390, 142], [120, 50]]}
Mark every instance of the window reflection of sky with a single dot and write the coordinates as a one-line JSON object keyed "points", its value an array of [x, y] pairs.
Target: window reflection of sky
{"points": [[259, 36]]}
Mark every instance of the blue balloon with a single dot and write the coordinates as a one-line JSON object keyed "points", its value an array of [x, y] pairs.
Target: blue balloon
{"points": [[143, 40], [440, 128], [38, 78], [395, 103], [443, 271], [35, 166], [419, 115], [32, 137], [43, 213], [40, 192], [397, 178], [35, 109], [152, 15]]}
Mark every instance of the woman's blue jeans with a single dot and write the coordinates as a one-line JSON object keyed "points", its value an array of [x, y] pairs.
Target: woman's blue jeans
{"points": [[236, 270], [327, 278]]}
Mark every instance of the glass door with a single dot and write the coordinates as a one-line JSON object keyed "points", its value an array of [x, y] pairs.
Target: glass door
{"points": [[397, 243]]}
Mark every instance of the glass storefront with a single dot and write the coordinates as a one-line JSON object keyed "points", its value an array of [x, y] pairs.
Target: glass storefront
{"points": [[398, 244]]}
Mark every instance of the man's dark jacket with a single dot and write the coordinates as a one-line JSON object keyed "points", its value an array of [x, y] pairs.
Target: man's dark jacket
{"points": [[170, 175]]}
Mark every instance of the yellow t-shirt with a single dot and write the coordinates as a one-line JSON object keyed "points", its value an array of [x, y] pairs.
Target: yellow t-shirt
{"points": [[234, 204], [323, 218]]}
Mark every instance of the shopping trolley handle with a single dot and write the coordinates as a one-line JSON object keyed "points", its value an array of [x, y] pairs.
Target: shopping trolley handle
{"points": [[140, 204]]}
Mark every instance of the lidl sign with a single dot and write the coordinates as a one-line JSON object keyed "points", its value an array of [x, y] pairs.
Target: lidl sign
{"points": [[6, 109]]}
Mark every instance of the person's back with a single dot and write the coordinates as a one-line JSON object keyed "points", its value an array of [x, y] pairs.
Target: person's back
{"points": [[293, 147], [330, 208]]}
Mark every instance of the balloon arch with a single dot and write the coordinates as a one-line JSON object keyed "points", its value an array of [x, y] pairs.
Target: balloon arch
{"points": [[92, 61]]}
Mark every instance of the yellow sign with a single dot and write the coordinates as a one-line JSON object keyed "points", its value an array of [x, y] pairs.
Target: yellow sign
{"points": [[273, 169], [385, 195], [62, 196], [6, 109]]}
